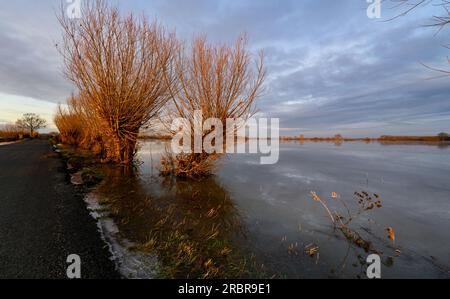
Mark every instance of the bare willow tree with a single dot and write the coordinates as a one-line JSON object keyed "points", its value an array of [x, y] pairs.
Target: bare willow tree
{"points": [[438, 21], [122, 66], [78, 126], [221, 82], [70, 126], [407, 6], [31, 122]]}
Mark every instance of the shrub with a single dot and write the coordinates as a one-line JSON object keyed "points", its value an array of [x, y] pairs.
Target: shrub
{"points": [[188, 165], [219, 82], [10, 132]]}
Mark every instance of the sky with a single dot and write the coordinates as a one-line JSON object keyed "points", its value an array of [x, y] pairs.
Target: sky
{"points": [[330, 68]]}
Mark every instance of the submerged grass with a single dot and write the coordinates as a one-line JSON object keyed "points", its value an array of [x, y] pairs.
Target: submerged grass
{"points": [[183, 257], [192, 227]]}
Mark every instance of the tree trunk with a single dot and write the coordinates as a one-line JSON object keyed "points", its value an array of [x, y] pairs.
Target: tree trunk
{"points": [[121, 149], [128, 151]]}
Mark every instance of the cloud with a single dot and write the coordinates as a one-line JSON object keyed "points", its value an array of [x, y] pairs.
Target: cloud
{"points": [[29, 62], [330, 68], [13, 107]]}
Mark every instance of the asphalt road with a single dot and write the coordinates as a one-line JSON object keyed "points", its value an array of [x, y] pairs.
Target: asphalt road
{"points": [[43, 220]]}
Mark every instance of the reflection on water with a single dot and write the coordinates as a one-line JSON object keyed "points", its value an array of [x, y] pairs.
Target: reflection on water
{"points": [[191, 226], [441, 145], [260, 221]]}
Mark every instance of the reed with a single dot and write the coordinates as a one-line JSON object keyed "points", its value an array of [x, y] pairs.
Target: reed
{"points": [[342, 220]]}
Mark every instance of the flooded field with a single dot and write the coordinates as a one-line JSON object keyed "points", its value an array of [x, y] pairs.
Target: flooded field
{"points": [[261, 221]]}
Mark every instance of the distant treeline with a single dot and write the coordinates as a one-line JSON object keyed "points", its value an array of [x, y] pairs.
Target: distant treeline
{"points": [[385, 138], [438, 138], [338, 138]]}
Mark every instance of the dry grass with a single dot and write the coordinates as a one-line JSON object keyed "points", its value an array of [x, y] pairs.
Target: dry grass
{"points": [[192, 226], [10, 133], [342, 220]]}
